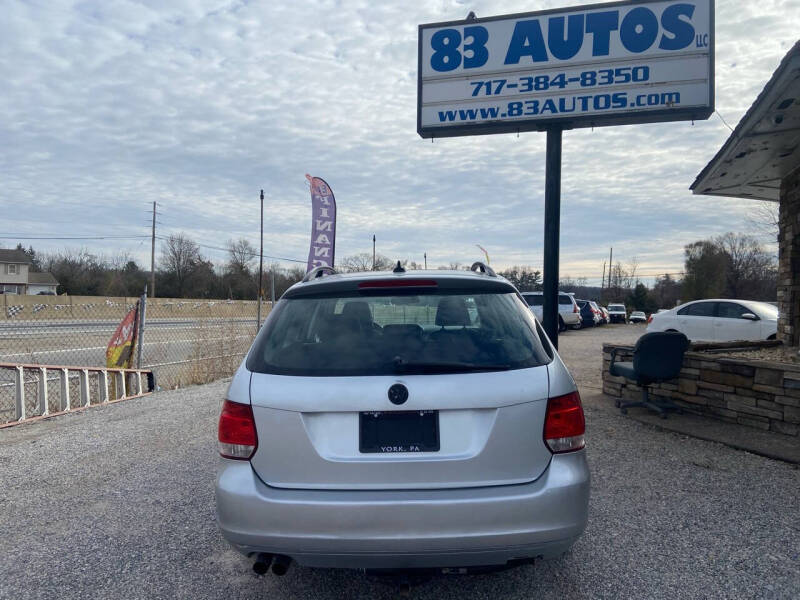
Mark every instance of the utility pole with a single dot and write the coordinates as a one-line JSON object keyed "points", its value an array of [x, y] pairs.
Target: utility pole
{"points": [[260, 265], [610, 268], [425, 256], [603, 280], [153, 256], [373, 251]]}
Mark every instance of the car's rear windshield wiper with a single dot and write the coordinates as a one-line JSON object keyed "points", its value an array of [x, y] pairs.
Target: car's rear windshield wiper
{"points": [[402, 366]]}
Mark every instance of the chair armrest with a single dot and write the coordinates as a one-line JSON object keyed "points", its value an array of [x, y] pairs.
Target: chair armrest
{"points": [[613, 358]]}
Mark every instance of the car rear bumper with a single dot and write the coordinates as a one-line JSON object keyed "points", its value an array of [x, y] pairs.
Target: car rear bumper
{"points": [[406, 529], [571, 318]]}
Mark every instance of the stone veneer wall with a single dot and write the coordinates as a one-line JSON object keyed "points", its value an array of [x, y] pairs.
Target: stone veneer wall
{"points": [[789, 261], [759, 394]]}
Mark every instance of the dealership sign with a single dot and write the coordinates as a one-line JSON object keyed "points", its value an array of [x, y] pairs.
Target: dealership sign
{"points": [[589, 66]]}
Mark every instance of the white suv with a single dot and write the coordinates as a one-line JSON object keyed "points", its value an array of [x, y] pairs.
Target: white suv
{"points": [[618, 313], [569, 314]]}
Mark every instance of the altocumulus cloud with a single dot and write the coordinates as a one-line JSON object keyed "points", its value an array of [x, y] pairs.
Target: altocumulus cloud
{"points": [[109, 106]]}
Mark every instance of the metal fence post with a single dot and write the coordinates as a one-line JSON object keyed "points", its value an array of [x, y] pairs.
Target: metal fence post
{"points": [[5, 306], [140, 335]]}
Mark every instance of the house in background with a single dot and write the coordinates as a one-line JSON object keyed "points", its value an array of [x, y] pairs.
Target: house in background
{"points": [[41, 283], [17, 278]]}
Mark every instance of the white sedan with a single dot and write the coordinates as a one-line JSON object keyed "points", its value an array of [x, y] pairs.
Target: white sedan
{"points": [[719, 320]]}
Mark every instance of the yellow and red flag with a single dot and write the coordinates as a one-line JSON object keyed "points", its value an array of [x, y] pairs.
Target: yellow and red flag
{"points": [[119, 353]]}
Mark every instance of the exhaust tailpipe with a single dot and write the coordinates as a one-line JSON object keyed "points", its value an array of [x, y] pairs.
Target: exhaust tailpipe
{"points": [[261, 566], [280, 565]]}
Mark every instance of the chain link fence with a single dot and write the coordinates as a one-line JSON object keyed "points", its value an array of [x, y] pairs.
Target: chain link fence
{"points": [[184, 341]]}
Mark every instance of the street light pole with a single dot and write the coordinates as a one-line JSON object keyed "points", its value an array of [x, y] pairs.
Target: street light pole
{"points": [[373, 251], [425, 256]]}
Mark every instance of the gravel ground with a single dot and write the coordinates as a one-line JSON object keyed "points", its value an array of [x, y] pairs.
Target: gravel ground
{"points": [[117, 502]]}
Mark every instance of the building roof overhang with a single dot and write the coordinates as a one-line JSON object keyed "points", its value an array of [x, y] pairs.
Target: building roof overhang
{"points": [[765, 146]]}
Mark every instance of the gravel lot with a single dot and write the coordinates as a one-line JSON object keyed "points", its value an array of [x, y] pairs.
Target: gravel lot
{"points": [[117, 502]]}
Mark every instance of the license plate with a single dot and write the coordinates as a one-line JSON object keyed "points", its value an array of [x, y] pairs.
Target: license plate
{"points": [[399, 431]]}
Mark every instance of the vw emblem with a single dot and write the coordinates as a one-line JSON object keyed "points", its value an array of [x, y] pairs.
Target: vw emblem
{"points": [[398, 393]]}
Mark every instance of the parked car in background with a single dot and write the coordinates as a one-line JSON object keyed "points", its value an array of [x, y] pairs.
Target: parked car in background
{"points": [[569, 315], [599, 320], [606, 315], [719, 320], [618, 313], [638, 316], [589, 317], [376, 424]]}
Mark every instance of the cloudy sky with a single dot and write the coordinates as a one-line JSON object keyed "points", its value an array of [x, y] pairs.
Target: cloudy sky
{"points": [[110, 105]]}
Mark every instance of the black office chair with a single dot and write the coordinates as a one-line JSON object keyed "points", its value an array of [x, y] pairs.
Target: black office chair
{"points": [[657, 357]]}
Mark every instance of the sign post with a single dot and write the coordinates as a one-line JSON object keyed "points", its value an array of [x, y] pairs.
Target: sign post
{"points": [[637, 61], [552, 227]]}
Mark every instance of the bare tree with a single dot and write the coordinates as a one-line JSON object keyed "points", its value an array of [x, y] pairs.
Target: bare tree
{"points": [[363, 262], [240, 255], [764, 219], [749, 266], [179, 257], [633, 266]]}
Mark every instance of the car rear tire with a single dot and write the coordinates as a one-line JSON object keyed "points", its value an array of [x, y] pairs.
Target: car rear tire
{"points": [[561, 325]]}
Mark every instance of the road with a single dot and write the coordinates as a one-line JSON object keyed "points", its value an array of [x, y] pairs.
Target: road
{"points": [[117, 502], [83, 343], [180, 350]]}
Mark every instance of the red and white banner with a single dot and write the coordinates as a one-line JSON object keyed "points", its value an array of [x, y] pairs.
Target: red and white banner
{"points": [[323, 224]]}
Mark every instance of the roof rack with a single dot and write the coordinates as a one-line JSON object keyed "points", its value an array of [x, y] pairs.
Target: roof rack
{"points": [[318, 272], [480, 267]]}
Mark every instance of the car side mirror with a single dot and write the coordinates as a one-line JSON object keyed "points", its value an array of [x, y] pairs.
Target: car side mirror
{"points": [[749, 316]]}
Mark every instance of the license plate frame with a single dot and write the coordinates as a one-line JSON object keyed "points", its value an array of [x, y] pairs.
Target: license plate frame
{"points": [[398, 431]]}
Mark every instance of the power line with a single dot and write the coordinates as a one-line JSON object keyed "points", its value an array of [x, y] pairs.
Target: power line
{"points": [[104, 237], [252, 254], [723, 120]]}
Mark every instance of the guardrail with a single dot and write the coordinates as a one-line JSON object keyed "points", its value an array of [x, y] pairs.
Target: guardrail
{"points": [[109, 385]]}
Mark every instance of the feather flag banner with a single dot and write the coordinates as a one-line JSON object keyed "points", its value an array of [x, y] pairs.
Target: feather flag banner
{"points": [[323, 224]]}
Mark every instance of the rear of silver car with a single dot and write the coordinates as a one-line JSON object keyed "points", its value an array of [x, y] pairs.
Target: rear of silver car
{"points": [[402, 425]]}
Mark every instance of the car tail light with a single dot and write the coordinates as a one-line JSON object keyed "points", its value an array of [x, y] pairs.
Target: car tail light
{"points": [[564, 424], [237, 431], [575, 308], [649, 319]]}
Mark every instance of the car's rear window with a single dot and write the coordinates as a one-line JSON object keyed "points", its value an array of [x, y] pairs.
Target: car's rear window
{"points": [[381, 335], [616, 307], [564, 299]]}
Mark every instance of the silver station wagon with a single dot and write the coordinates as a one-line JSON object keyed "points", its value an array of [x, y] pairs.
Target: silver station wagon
{"points": [[395, 420]]}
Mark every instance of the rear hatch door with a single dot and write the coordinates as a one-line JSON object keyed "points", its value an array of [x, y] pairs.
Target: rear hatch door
{"points": [[489, 430]]}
